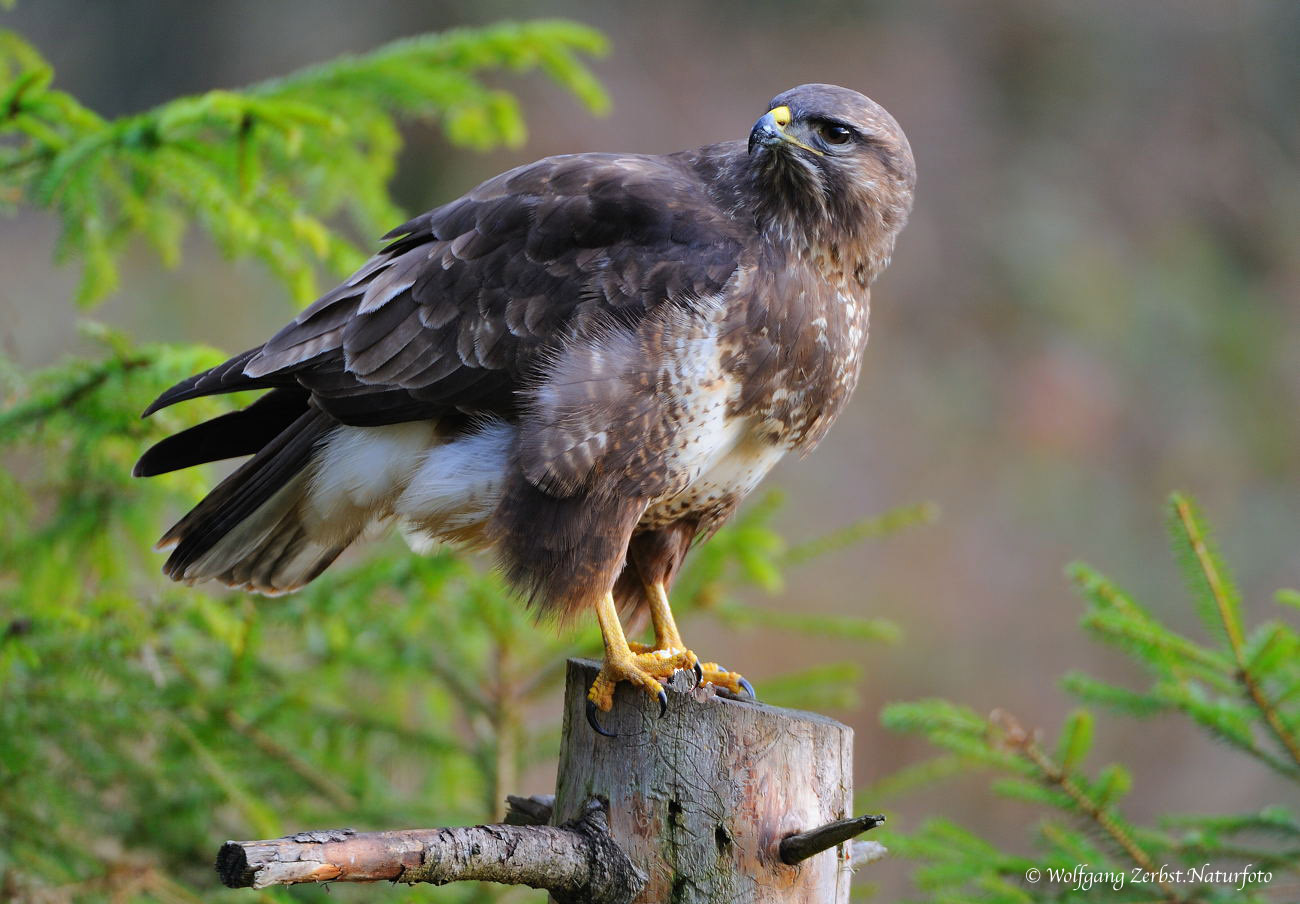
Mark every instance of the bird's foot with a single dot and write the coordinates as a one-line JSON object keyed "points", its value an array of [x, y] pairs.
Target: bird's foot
{"points": [[732, 682], [647, 669], [668, 649], [705, 672]]}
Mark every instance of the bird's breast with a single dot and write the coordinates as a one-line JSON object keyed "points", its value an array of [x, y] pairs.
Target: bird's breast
{"points": [[721, 483], [800, 353]]}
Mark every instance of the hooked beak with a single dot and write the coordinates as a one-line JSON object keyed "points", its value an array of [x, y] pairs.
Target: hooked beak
{"points": [[770, 131]]}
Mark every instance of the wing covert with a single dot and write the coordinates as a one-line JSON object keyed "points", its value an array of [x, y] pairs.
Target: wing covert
{"points": [[458, 311]]}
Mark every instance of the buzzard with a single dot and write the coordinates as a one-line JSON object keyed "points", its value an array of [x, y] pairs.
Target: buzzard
{"points": [[585, 364]]}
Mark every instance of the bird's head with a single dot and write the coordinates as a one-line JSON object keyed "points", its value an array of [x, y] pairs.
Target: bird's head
{"points": [[832, 168]]}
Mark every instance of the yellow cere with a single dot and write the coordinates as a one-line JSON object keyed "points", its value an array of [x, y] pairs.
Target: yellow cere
{"points": [[782, 116]]}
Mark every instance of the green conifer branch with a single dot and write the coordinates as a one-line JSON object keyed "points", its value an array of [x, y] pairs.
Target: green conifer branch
{"points": [[1053, 774], [1202, 682], [309, 773], [1227, 606], [1183, 669], [871, 527], [37, 409], [249, 165], [1186, 527]]}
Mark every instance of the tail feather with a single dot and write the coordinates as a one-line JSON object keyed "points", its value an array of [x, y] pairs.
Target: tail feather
{"points": [[225, 377], [271, 559], [231, 435], [250, 507]]}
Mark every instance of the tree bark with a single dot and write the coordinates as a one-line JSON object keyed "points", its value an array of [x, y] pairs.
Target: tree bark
{"points": [[577, 863], [701, 799]]}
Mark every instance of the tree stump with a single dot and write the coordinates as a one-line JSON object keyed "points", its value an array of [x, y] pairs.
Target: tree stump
{"points": [[718, 800], [701, 799]]}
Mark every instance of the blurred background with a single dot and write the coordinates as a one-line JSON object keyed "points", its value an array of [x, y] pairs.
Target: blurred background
{"points": [[1097, 301]]}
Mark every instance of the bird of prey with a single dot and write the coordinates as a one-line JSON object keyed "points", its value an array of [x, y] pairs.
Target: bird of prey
{"points": [[584, 363]]}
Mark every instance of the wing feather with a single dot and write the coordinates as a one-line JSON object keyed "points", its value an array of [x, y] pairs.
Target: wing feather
{"points": [[460, 311]]}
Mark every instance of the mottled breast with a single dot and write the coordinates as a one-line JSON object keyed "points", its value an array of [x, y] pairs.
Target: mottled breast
{"points": [[740, 462], [799, 354], [790, 352]]}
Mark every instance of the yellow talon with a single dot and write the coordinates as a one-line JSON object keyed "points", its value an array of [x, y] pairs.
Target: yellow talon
{"points": [[647, 670], [648, 666], [716, 674]]}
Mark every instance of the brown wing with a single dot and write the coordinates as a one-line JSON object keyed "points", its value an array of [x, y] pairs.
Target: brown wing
{"points": [[458, 312]]}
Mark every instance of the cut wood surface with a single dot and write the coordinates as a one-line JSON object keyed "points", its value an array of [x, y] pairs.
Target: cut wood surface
{"points": [[701, 799]]}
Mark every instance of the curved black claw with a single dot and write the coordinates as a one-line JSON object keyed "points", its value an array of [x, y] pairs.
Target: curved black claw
{"points": [[595, 725], [749, 688], [699, 673], [663, 702]]}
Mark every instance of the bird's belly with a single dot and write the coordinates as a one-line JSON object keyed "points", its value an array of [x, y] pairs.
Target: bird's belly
{"points": [[720, 486], [453, 491]]}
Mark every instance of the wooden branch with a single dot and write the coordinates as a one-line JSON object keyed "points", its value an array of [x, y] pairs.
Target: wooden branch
{"points": [[576, 862], [802, 845]]}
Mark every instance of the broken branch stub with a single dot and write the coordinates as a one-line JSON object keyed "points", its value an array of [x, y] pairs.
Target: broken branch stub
{"points": [[802, 845]]}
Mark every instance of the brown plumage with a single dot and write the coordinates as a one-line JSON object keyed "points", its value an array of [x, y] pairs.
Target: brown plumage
{"points": [[584, 363]]}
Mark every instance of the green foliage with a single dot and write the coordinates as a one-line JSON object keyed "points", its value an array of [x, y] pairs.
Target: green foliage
{"points": [[265, 170], [1241, 687], [142, 722]]}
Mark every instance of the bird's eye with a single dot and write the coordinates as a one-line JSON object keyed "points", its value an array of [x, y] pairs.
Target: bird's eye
{"points": [[835, 134]]}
